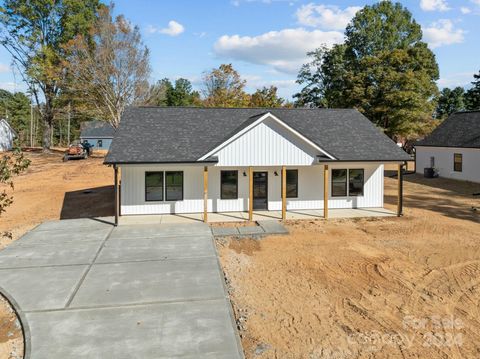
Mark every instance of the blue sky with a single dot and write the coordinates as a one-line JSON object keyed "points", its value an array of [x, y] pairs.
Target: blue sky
{"points": [[266, 40]]}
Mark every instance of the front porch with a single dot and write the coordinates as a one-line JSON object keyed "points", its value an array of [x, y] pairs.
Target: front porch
{"points": [[223, 217]]}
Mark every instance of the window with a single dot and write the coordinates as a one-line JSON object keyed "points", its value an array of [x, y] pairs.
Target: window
{"points": [[174, 186], [99, 143], [229, 184], [355, 179], [457, 162], [432, 162], [355, 182], [153, 186], [339, 183], [292, 183]]}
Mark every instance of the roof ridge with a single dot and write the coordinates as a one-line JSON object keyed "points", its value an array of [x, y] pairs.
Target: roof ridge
{"points": [[245, 108]]}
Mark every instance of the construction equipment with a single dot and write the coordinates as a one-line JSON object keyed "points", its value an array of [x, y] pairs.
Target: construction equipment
{"points": [[77, 151]]}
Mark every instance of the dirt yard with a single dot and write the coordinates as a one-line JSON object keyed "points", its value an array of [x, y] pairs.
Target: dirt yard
{"points": [[11, 338], [371, 288], [52, 189]]}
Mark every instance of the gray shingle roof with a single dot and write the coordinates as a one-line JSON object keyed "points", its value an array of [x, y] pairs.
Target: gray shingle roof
{"points": [[96, 129], [461, 129], [182, 134]]}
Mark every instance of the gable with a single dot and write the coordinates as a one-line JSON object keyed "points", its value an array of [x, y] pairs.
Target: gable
{"points": [[267, 144]]}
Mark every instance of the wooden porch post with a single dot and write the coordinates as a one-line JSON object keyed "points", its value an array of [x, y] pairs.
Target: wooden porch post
{"points": [[400, 191], [284, 193], [325, 191], [117, 193], [250, 193], [205, 194]]}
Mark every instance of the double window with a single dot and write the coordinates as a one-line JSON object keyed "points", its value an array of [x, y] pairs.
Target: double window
{"points": [[457, 162], [347, 182], [162, 185], [229, 184]]}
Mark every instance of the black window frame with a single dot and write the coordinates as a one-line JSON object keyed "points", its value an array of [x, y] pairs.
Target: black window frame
{"points": [[455, 163], [166, 184], [163, 186], [296, 184], [100, 143], [363, 181], [221, 184], [346, 182]]}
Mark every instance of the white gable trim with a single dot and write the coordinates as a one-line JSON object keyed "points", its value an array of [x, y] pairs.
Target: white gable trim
{"points": [[261, 119]]}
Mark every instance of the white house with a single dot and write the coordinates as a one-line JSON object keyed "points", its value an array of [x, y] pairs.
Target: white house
{"points": [[7, 136], [200, 160], [453, 148]]}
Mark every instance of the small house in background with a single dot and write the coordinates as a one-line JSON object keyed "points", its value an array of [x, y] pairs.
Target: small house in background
{"points": [[7, 135], [98, 134], [452, 150]]}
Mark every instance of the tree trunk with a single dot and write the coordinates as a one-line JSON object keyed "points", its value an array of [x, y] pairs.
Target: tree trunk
{"points": [[48, 120]]}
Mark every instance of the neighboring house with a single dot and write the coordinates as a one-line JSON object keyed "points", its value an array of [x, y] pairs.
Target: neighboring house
{"points": [[453, 148], [7, 136], [191, 160], [97, 133]]}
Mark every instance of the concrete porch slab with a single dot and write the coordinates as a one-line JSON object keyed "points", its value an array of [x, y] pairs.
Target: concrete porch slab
{"points": [[273, 227], [161, 230], [260, 216]]}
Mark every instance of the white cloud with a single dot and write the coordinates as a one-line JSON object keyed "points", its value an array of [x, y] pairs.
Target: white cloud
{"points": [[325, 16], [465, 10], [4, 68], [173, 29], [443, 32], [462, 79], [283, 50], [434, 5]]}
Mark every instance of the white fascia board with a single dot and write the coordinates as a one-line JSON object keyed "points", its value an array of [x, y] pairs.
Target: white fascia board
{"points": [[261, 119]]}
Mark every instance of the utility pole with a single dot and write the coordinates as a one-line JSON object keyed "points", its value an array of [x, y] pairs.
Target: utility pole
{"points": [[68, 126], [31, 124]]}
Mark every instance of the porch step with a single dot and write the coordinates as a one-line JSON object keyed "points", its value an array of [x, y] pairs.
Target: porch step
{"points": [[272, 227]]}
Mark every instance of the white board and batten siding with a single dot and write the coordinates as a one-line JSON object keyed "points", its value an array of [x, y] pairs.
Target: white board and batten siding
{"points": [[310, 189], [267, 144], [443, 162]]}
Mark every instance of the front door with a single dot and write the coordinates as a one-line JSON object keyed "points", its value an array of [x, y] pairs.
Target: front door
{"points": [[260, 190]]}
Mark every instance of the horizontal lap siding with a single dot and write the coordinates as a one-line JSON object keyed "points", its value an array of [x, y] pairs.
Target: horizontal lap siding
{"points": [[444, 162]]}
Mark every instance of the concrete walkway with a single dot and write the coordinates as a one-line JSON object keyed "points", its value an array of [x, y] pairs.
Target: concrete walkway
{"points": [[84, 289]]}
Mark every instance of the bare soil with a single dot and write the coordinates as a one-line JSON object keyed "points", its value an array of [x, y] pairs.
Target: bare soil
{"points": [[51, 189], [11, 336], [404, 287]]}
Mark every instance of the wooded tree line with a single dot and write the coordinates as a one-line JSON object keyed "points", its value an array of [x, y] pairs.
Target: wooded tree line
{"points": [[80, 61]]}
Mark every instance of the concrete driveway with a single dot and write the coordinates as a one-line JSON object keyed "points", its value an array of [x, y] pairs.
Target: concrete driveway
{"points": [[84, 289]]}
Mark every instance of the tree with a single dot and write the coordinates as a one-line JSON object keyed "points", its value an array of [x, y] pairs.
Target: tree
{"points": [[450, 101], [266, 97], [15, 107], [110, 72], [182, 94], [34, 32], [472, 97], [157, 95], [384, 69], [11, 165], [223, 87]]}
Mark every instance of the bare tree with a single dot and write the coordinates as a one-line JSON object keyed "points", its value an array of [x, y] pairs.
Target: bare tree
{"points": [[112, 72]]}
